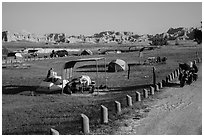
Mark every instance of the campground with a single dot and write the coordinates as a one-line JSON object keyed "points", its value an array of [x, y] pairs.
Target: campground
{"points": [[26, 114]]}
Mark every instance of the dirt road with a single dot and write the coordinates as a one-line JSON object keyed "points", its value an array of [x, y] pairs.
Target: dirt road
{"points": [[177, 112]]}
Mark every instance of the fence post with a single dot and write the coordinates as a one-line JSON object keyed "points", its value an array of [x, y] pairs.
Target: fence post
{"points": [[151, 90], [104, 114], [117, 107], [178, 71], [163, 83], [172, 74], [198, 60], [145, 93], [156, 87], [85, 124], [194, 62], [128, 71], [138, 96], [170, 77], [129, 100], [167, 80], [53, 132], [175, 74], [160, 85], [154, 76]]}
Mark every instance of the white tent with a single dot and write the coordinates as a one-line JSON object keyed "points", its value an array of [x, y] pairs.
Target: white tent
{"points": [[117, 65], [18, 55], [86, 52]]}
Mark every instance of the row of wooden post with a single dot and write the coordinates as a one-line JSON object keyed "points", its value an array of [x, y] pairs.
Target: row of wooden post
{"points": [[104, 110], [146, 93]]}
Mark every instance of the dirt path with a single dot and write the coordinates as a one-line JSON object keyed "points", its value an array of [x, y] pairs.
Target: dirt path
{"points": [[177, 112]]}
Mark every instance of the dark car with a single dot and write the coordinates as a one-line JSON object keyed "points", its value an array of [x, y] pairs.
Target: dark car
{"points": [[59, 53]]}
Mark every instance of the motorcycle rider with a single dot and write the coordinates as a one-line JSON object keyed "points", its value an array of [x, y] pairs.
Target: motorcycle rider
{"points": [[187, 73], [194, 70]]}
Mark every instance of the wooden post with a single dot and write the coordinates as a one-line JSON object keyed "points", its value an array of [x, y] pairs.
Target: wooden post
{"points": [[117, 107], [85, 124], [151, 90], [172, 75], [198, 60], [145, 93], [178, 71], [167, 79], [163, 82], [194, 62], [197, 57], [129, 100], [175, 74], [138, 96], [104, 114], [128, 71], [160, 85], [53, 132], [156, 87], [154, 76]]}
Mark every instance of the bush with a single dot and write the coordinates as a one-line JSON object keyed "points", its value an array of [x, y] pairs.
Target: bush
{"points": [[198, 36], [159, 41]]}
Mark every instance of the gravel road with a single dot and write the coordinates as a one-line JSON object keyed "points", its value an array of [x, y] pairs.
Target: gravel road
{"points": [[178, 111]]}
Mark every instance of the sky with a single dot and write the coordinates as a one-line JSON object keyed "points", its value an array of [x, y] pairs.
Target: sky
{"points": [[88, 18]]}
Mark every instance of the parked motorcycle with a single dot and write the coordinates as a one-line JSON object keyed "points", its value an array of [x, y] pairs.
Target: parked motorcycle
{"points": [[187, 77], [188, 74]]}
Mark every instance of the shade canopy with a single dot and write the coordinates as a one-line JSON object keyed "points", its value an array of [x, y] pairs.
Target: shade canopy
{"points": [[71, 64]]}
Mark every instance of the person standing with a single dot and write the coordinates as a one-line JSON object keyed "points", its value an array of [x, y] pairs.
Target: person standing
{"points": [[50, 73]]}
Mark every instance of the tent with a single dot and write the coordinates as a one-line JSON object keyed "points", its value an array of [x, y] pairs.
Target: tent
{"points": [[86, 52], [67, 72], [117, 65], [18, 55]]}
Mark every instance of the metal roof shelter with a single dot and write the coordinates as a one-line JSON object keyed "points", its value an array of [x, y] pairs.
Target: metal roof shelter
{"points": [[68, 68]]}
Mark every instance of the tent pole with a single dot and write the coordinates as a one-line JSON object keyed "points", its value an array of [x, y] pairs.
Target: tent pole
{"points": [[97, 75], [70, 72], [62, 80], [105, 72]]}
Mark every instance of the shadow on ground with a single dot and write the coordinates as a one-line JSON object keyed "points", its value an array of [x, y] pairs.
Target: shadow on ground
{"points": [[15, 89], [130, 88], [147, 86], [25, 90], [175, 85]]}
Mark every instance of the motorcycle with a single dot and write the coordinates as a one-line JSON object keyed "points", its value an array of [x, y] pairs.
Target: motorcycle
{"points": [[187, 77]]}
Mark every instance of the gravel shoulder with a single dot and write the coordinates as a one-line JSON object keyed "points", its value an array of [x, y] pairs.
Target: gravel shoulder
{"points": [[178, 111]]}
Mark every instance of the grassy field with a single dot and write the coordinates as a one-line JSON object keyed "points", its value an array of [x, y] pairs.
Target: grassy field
{"points": [[26, 114]]}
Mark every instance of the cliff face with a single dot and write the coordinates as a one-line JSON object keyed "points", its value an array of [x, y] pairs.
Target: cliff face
{"points": [[102, 37], [55, 37], [8, 36], [181, 33]]}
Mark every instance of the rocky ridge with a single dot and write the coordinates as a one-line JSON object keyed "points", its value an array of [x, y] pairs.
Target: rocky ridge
{"points": [[102, 37]]}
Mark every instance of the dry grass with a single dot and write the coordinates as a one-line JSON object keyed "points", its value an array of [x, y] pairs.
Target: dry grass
{"points": [[25, 114]]}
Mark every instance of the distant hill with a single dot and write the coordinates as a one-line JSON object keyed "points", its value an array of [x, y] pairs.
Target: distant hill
{"points": [[101, 37], [181, 33]]}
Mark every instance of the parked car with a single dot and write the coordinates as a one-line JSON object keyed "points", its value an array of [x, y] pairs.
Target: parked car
{"points": [[59, 53]]}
